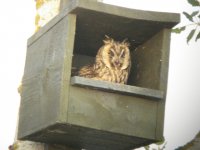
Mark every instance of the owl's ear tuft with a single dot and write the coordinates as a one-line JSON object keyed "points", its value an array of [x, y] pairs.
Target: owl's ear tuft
{"points": [[126, 43], [108, 40]]}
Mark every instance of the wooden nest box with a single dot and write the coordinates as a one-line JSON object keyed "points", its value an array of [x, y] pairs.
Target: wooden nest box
{"points": [[95, 115]]}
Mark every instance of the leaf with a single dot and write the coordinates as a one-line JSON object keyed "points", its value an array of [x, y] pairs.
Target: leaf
{"points": [[147, 147], [194, 13], [189, 37], [188, 16], [194, 2], [178, 30], [161, 142], [198, 37]]}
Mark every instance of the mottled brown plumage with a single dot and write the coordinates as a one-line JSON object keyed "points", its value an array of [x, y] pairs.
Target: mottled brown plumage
{"points": [[112, 63]]}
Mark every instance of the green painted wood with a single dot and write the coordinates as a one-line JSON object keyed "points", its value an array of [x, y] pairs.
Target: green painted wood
{"points": [[80, 137], [166, 34], [58, 108], [44, 76], [138, 26], [91, 5], [117, 88], [151, 63], [67, 66], [147, 63], [112, 112]]}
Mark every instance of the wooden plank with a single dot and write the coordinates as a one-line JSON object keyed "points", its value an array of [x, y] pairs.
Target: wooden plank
{"points": [[146, 62], [79, 137], [112, 112], [165, 36], [44, 80], [151, 69], [118, 88], [95, 20], [87, 9], [67, 65], [172, 18]]}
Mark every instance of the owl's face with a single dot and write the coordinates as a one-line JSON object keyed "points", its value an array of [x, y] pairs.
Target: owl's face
{"points": [[116, 55], [112, 63]]}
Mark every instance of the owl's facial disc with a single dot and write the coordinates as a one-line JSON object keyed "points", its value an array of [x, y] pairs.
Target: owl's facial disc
{"points": [[105, 56], [115, 55]]}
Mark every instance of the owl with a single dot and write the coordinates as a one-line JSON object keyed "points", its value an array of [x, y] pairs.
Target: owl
{"points": [[112, 62]]}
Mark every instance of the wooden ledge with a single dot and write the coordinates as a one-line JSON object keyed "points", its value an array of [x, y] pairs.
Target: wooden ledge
{"points": [[117, 88]]}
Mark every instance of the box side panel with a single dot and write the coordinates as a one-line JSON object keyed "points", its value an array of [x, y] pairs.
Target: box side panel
{"points": [[163, 80], [146, 63], [151, 70], [41, 85], [67, 67], [112, 112]]}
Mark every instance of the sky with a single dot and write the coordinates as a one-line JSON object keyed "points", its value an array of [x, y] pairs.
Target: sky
{"points": [[182, 121], [16, 25]]}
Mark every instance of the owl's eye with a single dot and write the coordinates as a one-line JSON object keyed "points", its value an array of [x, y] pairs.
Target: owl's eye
{"points": [[111, 53], [123, 54]]}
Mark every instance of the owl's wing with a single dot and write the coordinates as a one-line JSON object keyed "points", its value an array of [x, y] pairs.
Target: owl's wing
{"points": [[87, 71]]}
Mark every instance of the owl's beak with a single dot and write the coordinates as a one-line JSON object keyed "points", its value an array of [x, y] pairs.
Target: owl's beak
{"points": [[117, 62]]}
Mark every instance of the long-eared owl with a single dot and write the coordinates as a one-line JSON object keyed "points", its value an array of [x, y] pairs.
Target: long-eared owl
{"points": [[112, 63]]}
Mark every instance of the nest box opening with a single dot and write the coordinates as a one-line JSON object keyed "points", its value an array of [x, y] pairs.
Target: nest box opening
{"points": [[91, 28]]}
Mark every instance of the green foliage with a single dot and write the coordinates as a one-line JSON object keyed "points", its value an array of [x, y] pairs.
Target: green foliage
{"points": [[147, 147], [198, 36], [194, 18], [188, 16], [178, 30], [190, 35], [193, 2]]}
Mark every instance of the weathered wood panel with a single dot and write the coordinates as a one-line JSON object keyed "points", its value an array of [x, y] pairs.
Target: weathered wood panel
{"points": [[80, 137], [150, 61], [117, 88], [95, 20], [147, 62], [44, 78], [166, 34], [112, 112]]}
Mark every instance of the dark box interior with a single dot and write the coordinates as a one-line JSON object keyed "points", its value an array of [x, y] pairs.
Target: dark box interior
{"points": [[91, 28]]}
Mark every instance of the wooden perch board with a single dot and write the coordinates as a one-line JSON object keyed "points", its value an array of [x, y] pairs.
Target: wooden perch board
{"points": [[117, 88]]}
